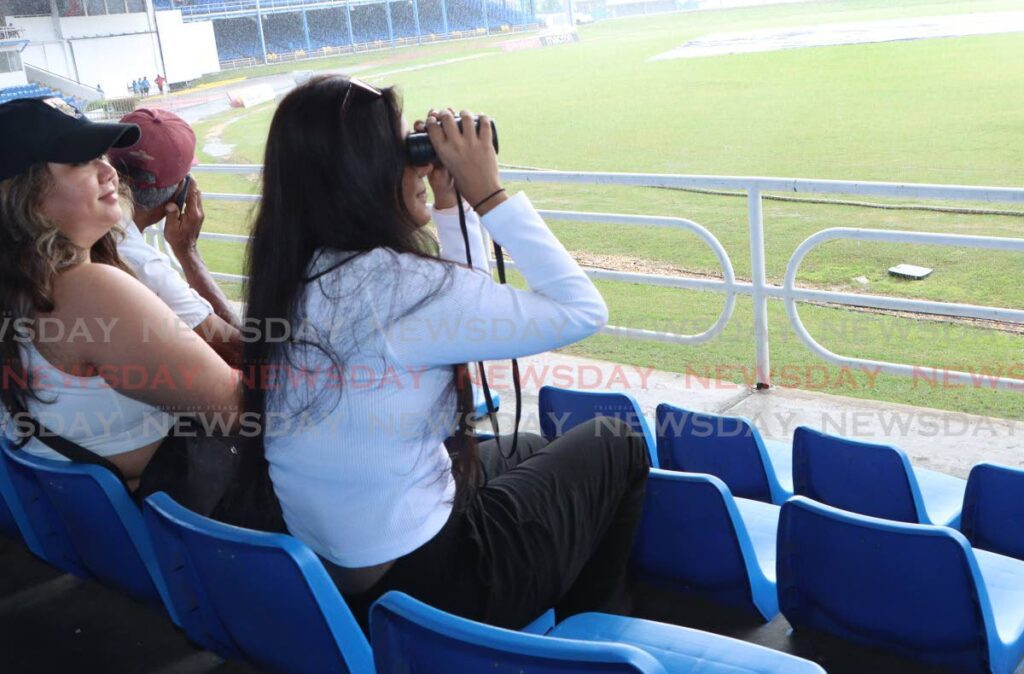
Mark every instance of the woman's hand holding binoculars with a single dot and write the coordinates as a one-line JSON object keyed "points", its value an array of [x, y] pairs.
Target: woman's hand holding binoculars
{"points": [[469, 157], [441, 182]]}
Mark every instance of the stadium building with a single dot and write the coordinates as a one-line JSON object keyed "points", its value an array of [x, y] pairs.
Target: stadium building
{"points": [[78, 47]]}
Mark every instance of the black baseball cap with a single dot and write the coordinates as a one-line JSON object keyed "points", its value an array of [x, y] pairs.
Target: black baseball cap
{"points": [[34, 130]]}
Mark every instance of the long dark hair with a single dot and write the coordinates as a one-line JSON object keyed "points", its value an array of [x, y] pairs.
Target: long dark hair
{"points": [[330, 184], [33, 251]]}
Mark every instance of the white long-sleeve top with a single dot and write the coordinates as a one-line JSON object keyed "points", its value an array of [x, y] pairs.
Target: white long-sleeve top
{"points": [[355, 441]]}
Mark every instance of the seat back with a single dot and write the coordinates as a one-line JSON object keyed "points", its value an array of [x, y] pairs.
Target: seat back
{"points": [[993, 514], [52, 540], [265, 597], [13, 521], [861, 477], [410, 637], [561, 410], [692, 537], [104, 525], [908, 588], [730, 448], [8, 525]]}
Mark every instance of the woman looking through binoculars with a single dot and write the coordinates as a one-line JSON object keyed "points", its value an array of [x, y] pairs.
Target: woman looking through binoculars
{"points": [[386, 481]]}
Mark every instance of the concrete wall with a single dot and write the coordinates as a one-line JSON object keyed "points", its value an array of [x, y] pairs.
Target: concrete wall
{"points": [[190, 49], [12, 79], [59, 83], [45, 50], [115, 61], [113, 50]]}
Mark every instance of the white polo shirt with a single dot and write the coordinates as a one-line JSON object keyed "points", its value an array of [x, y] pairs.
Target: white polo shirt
{"points": [[156, 272]]}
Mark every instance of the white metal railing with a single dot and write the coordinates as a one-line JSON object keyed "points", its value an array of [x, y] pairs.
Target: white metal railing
{"points": [[758, 288]]}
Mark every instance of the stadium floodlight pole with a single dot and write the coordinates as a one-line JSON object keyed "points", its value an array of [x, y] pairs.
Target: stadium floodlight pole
{"points": [[348, 22], [305, 32], [151, 16], [444, 17], [259, 24], [572, 14], [416, 19]]}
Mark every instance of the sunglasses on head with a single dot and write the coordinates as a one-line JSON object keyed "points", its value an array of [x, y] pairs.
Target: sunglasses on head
{"points": [[357, 87]]}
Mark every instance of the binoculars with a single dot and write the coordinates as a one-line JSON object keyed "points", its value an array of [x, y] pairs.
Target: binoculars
{"points": [[421, 151]]}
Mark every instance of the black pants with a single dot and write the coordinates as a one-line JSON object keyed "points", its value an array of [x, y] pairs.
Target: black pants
{"points": [[552, 526]]}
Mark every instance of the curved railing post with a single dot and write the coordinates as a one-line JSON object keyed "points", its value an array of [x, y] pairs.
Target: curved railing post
{"points": [[759, 281]]}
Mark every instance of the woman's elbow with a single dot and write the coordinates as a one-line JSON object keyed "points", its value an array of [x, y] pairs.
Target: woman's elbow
{"points": [[596, 316]]}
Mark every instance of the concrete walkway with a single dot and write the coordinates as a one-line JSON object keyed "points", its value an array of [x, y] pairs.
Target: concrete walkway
{"points": [[950, 442]]}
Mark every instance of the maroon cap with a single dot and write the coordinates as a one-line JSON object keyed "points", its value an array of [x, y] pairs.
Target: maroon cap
{"points": [[165, 151]]}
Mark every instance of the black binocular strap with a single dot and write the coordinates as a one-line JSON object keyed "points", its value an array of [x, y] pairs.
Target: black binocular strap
{"points": [[499, 258], [491, 412], [72, 451]]}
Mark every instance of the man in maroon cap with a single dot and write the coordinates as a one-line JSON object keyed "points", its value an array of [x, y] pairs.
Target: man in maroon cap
{"points": [[157, 170]]}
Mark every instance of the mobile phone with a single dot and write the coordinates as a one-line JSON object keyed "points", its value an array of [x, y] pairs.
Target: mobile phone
{"points": [[182, 197]]}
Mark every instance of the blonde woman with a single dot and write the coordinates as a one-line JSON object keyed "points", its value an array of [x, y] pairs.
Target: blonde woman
{"points": [[89, 354]]}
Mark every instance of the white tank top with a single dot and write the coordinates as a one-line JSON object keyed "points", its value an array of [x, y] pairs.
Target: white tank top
{"points": [[87, 411]]}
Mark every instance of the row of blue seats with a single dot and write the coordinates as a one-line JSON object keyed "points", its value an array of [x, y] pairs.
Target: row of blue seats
{"points": [[861, 477], [36, 91], [239, 37], [870, 602], [21, 88], [266, 598], [24, 91], [887, 576]]}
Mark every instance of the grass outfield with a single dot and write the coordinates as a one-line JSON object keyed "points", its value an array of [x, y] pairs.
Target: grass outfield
{"points": [[942, 110]]}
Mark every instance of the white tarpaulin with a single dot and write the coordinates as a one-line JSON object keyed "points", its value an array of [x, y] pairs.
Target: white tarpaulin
{"points": [[861, 32]]}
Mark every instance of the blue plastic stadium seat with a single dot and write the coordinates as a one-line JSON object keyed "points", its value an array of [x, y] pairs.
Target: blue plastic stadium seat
{"points": [[264, 597], [916, 590], [8, 525], [561, 410], [8, 522], [682, 650], [410, 637], [50, 538], [694, 537], [104, 525], [993, 513], [730, 448], [872, 479], [13, 521], [480, 401]]}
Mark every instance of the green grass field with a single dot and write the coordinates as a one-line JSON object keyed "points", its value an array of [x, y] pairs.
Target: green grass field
{"points": [[939, 111]]}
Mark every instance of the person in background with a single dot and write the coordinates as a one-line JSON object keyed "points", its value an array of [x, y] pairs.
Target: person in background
{"points": [[145, 86], [99, 90], [160, 79], [135, 87], [156, 170]]}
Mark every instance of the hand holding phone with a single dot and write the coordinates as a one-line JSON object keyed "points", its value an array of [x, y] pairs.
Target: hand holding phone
{"points": [[185, 217], [181, 199]]}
